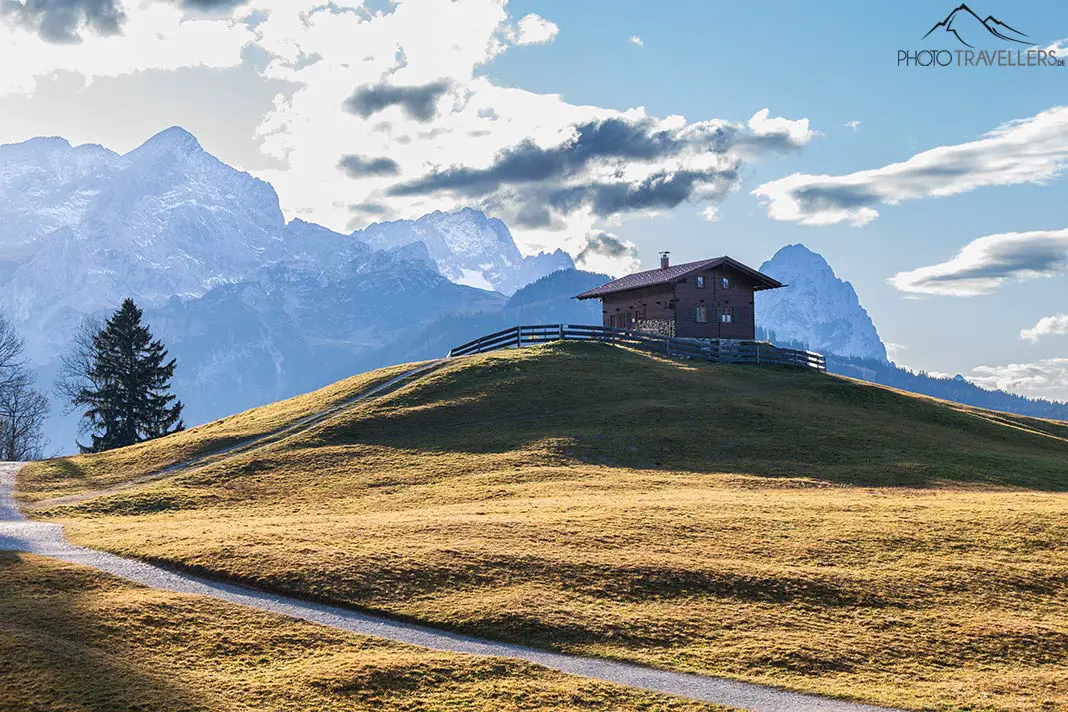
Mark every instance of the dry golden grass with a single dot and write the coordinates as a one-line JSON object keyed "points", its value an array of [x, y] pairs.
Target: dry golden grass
{"points": [[66, 476], [75, 639], [769, 525]]}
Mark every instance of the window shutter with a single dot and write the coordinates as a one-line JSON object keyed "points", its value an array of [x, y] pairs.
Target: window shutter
{"points": [[693, 313]]}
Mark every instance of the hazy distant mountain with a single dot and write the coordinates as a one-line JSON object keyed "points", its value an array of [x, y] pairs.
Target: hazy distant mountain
{"points": [[815, 308], [289, 328], [549, 300], [469, 248]]}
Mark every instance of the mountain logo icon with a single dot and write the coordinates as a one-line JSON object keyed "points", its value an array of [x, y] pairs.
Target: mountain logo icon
{"points": [[963, 23]]}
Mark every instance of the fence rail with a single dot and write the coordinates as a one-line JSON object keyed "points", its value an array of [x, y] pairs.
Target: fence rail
{"points": [[715, 350]]}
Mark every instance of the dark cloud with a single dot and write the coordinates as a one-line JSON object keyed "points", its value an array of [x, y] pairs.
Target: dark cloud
{"points": [[371, 208], [607, 245], [419, 102], [361, 166], [818, 198], [598, 140], [607, 167], [539, 185], [1013, 259], [764, 144], [62, 21], [658, 192], [988, 262]]}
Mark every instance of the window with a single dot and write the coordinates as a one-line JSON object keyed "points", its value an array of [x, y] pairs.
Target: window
{"points": [[700, 281], [725, 282], [699, 313], [726, 315]]}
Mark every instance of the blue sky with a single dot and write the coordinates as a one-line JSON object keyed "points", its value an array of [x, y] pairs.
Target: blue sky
{"points": [[832, 64], [280, 89]]}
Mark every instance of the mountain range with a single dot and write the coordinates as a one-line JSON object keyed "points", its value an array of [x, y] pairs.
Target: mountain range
{"points": [[256, 308]]}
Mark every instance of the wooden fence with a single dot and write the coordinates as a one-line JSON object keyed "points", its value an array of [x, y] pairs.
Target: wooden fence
{"points": [[715, 350]]}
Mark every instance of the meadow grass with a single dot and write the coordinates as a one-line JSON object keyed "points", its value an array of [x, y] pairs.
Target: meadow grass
{"points": [[771, 525], [72, 475], [72, 638]]}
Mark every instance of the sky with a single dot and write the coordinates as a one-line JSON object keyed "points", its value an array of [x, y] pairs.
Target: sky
{"points": [[618, 129]]}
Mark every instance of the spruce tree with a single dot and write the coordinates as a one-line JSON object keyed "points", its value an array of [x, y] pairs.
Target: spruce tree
{"points": [[127, 395]]}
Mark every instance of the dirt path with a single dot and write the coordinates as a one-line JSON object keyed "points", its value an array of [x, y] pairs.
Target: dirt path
{"points": [[20, 534]]}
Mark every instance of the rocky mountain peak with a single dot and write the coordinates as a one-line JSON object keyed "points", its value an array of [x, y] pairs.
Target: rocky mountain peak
{"points": [[468, 248], [816, 308]]}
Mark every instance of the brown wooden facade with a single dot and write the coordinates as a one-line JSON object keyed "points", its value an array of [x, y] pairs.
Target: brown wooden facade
{"points": [[710, 299]]}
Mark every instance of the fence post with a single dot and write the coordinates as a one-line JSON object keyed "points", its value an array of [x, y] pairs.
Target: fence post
{"points": [[561, 332], [519, 337]]}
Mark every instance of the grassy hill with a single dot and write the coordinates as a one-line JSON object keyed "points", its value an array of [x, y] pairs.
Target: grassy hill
{"points": [[74, 475], [772, 525]]}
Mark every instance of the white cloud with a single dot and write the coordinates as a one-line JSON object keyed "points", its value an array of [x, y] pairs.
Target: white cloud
{"points": [[1031, 150], [1046, 326], [392, 115], [798, 130], [1047, 378], [636, 40], [1059, 47], [710, 213], [853, 124], [535, 29], [154, 35], [986, 263]]}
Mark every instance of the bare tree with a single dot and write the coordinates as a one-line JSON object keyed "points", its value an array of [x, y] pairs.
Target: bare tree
{"points": [[22, 409], [22, 414], [76, 366], [11, 348]]}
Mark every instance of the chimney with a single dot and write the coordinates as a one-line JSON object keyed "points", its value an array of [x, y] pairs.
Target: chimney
{"points": [[664, 262]]}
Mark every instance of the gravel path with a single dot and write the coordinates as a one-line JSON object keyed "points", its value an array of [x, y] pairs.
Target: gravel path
{"points": [[20, 534]]}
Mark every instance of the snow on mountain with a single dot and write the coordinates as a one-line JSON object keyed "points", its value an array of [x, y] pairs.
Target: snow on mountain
{"points": [[469, 248], [46, 184], [83, 227], [816, 308]]}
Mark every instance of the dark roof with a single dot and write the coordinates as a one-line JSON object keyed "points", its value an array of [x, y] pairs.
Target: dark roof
{"points": [[654, 277]]}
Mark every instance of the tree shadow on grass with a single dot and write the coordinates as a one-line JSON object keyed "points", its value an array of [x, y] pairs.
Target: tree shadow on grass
{"points": [[61, 469], [57, 654]]}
